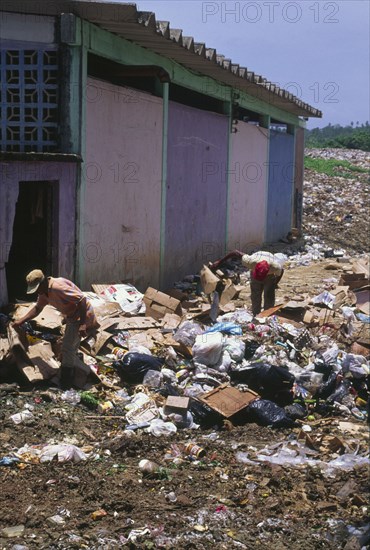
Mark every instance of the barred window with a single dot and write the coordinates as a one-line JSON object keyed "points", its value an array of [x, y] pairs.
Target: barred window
{"points": [[29, 100]]}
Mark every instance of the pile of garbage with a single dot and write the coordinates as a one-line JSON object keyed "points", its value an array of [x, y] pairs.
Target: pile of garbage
{"points": [[335, 208], [196, 357]]}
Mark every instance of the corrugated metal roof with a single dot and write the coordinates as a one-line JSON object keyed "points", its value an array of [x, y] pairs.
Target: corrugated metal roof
{"points": [[142, 27]]}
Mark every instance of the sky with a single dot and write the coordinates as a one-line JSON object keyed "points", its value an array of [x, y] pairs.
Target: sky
{"points": [[317, 50]]}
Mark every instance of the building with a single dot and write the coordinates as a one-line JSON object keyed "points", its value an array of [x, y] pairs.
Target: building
{"points": [[131, 153]]}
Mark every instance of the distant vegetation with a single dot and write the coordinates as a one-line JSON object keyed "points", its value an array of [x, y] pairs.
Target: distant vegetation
{"points": [[353, 136], [333, 167]]}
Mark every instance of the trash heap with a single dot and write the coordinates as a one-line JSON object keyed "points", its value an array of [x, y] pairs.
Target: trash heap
{"points": [[188, 403], [195, 356], [336, 207]]}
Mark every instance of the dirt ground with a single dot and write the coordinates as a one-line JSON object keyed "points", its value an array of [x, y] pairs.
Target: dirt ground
{"points": [[217, 501]]}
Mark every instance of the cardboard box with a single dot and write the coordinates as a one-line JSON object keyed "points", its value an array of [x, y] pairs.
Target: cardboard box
{"points": [[176, 404], [158, 304], [209, 280]]}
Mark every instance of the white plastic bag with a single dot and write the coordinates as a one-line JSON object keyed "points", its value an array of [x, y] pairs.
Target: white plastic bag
{"points": [[64, 453], [236, 349], [158, 428], [208, 348]]}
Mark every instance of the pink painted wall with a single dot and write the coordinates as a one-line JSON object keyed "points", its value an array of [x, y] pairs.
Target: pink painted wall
{"points": [[64, 175], [247, 187], [123, 170]]}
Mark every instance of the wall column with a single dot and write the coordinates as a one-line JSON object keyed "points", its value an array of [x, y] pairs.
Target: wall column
{"points": [[164, 182]]}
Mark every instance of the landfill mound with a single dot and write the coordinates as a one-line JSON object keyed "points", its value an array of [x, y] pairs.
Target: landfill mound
{"points": [[193, 424], [336, 208]]}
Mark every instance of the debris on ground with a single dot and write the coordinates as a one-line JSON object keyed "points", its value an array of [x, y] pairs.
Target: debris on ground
{"points": [[195, 424]]}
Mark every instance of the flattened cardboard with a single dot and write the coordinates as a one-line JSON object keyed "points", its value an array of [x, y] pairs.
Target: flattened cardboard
{"points": [[354, 280], [136, 323], [37, 362], [158, 304], [45, 366], [107, 310], [228, 400], [170, 321], [361, 267], [49, 318], [4, 348], [268, 312]]}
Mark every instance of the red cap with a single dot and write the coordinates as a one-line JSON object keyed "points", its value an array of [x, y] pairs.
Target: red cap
{"points": [[261, 270]]}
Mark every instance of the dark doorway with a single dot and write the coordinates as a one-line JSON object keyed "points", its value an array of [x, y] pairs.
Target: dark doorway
{"points": [[33, 236]]}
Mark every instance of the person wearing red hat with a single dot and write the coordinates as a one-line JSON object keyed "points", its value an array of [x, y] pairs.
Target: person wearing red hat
{"points": [[266, 272]]}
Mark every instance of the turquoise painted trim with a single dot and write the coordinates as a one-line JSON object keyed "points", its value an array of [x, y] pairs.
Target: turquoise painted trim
{"points": [[116, 48], [164, 182], [74, 94], [80, 234]]}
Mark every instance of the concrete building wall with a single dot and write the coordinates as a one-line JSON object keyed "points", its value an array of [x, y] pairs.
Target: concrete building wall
{"points": [[20, 27], [280, 186], [196, 190], [298, 177], [121, 201], [247, 187]]}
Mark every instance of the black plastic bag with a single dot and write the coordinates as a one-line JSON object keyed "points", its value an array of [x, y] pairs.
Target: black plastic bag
{"points": [[204, 415], [269, 381], [340, 392], [327, 387], [295, 410], [250, 349], [134, 366], [266, 413]]}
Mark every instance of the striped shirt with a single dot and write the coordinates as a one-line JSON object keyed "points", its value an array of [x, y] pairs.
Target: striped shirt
{"points": [[67, 298]]}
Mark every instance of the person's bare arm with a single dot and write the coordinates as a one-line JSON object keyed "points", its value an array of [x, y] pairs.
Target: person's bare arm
{"points": [[31, 314], [81, 312], [233, 254]]}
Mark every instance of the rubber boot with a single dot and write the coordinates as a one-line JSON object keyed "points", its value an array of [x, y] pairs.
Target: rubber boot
{"points": [[66, 378]]}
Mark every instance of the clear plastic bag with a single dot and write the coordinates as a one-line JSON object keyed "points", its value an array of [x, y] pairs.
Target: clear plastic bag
{"points": [[187, 333]]}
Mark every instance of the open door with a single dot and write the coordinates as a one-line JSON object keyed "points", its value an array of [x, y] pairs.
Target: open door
{"points": [[34, 239]]}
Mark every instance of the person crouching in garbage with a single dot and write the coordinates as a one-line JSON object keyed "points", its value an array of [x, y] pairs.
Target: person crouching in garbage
{"points": [[266, 272], [79, 316]]}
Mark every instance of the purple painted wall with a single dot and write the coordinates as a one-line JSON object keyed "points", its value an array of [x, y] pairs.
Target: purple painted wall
{"points": [[247, 187], [196, 190], [121, 212], [64, 175]]}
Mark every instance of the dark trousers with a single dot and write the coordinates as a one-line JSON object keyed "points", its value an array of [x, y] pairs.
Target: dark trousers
{"points": [[267, 288]]}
